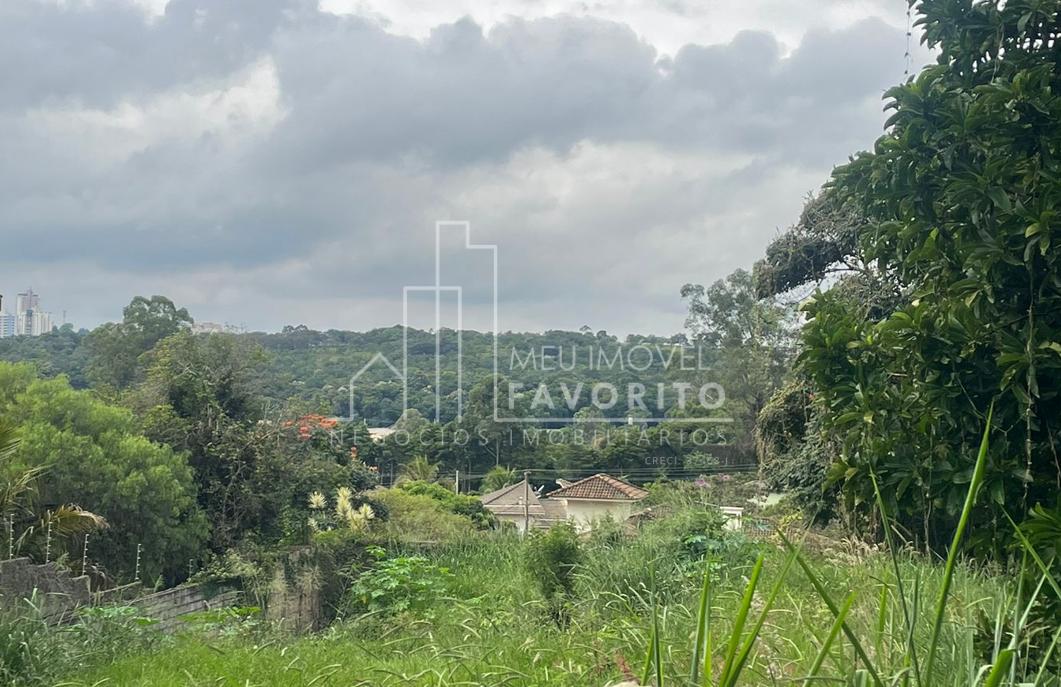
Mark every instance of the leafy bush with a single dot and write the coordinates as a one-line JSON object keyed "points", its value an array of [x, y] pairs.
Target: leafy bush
{"points": [[96, 457], [398, 585], [959, 203], [697, 532], [417, 518], [461, 504], [552, 558]]}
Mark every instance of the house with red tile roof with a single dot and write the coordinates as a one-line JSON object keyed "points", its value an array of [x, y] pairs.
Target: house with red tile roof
{"points": [[596, 498]]}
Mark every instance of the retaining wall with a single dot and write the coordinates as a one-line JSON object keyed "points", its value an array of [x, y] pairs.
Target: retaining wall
{"points": [[167, 607], [59, 593]]}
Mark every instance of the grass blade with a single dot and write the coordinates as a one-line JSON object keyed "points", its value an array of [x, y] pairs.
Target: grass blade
{"points": [[1043, 567], [657, 655], [703, 623], [754, 634], [825, 597], [1046, 658], [994, 678], [952, 555], [829, 639], [646, 672], [911, 646], [738, 623]]}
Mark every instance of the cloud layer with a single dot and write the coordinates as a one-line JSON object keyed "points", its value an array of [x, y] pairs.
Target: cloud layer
{"points": [[267, 162]]}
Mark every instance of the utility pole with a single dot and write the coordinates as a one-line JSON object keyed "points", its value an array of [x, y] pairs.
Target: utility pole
{"points": [[526, 502]]}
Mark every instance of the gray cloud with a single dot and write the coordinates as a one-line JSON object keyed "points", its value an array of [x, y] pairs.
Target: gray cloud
{"points": [[265, 147]]}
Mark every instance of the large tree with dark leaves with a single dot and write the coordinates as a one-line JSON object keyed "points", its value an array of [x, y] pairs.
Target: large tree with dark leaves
{"points": [[961, 201]]}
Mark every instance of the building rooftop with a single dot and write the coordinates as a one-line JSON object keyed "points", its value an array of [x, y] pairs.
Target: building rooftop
{"points": [[600, 487], [509, 501]]}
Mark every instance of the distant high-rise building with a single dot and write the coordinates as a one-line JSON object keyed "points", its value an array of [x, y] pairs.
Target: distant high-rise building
{"points": [[29, 319], [27, 300], [7, 322], [41, 323], [215, 328]]}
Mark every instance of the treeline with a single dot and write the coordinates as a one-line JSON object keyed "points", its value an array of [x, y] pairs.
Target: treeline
{"points": [[179, 447], [315, 367]]}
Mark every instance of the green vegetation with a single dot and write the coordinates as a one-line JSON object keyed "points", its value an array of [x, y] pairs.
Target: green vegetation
{"points": [[469, 610], [912, 421], [399, 585], [82, 452], [552, 559], [950, 294]]}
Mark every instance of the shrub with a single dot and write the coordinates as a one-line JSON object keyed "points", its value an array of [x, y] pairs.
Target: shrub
{"points": [[552, 558], [398, 585], [468, 506], [94, 456], [417, 518]]}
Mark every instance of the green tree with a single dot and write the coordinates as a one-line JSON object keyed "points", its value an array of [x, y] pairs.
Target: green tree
{"points": [[115, 348], [751, 340], [420, 469], [499, 477], [960, 200], [253, 462], [91, 454]]}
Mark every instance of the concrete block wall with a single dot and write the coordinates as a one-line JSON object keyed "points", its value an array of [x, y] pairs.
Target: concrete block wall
{"points": [[59, 592], [167, 607]]}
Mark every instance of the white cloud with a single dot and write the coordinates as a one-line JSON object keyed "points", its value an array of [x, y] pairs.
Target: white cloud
{"points": [[666, 24], [266, 163]]}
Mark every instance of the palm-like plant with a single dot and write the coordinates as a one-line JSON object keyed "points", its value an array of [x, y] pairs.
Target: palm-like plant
{"points": [[420, 469], [499, 477]]}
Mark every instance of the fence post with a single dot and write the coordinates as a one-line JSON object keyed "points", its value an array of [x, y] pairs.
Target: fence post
{"points": [[48, 542]]}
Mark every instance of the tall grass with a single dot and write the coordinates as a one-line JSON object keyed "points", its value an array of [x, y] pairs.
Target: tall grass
{"points": [[644, 610], [1003, 667]]}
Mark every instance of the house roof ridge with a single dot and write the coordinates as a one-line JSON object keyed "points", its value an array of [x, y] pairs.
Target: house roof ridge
{"points": [[601, 486]]}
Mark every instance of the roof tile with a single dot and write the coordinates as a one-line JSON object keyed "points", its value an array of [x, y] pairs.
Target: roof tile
{"points": [[601, 487]]}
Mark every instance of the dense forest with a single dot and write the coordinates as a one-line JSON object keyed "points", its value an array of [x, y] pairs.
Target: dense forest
{"points": [[314, 368]]}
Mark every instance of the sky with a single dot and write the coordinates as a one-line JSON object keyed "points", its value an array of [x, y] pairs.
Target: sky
{"points": [[282, 162]]}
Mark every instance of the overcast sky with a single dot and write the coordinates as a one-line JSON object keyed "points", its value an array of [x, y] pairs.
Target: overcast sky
{"points": [[272, 162]]}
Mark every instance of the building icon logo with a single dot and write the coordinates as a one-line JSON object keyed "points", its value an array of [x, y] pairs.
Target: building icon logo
{"points": [[661, 382], [447, 293]]}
